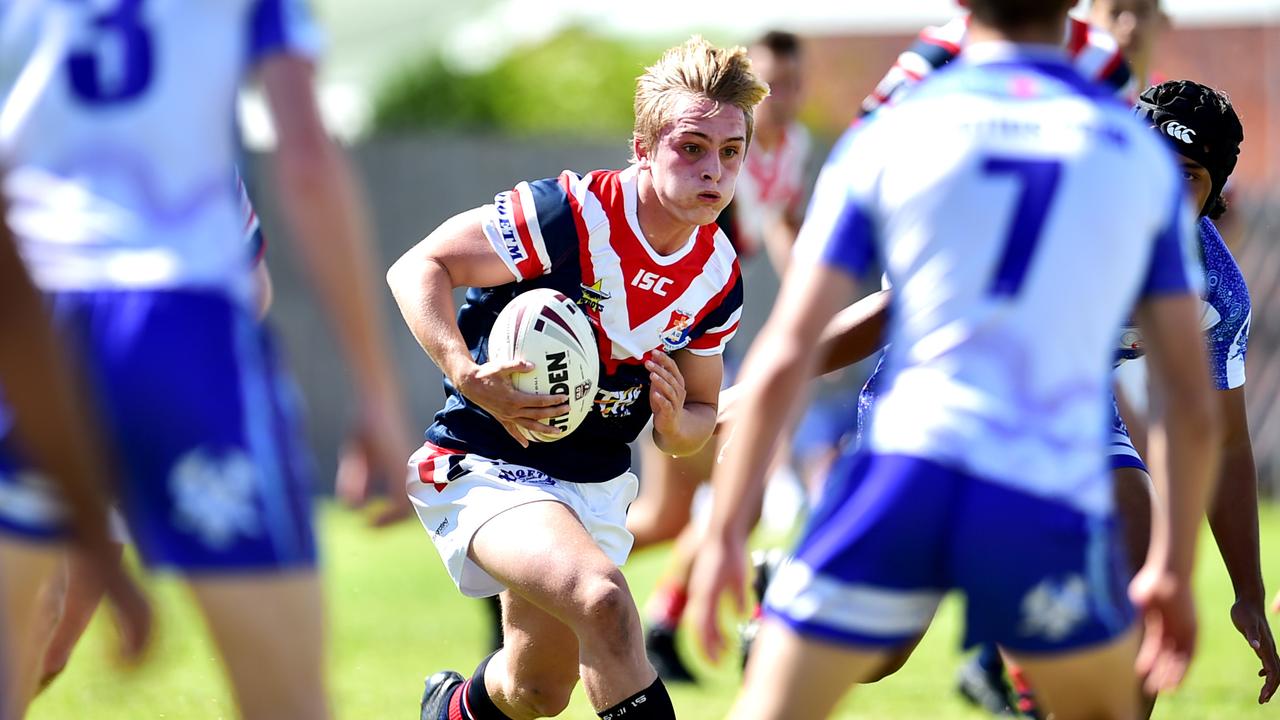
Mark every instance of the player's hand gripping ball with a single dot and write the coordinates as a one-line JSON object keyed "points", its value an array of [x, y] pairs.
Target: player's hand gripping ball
{"points": [[547, 329]]}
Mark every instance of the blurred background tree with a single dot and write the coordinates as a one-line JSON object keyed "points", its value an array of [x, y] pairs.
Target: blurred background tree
{"points": [[575, 83]]}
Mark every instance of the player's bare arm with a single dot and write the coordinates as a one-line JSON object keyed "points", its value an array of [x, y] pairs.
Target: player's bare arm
{"points": [[1184, 444], [774, 376], [56, 433], [326, 213], [683, 396], [457, 254], [853, 335], [1233, 518]]}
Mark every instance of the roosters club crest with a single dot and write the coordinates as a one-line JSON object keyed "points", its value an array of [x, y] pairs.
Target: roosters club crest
{"points": [[676, 335]]}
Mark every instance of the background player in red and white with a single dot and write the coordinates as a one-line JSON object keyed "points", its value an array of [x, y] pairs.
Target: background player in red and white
{"points": [[762, 219], [544, 523]]}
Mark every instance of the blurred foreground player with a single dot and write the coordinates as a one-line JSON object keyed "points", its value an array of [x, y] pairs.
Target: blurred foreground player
{"points": [[119, 122], [544, 523], [73, 594], [1014, 130], [46, 421]]}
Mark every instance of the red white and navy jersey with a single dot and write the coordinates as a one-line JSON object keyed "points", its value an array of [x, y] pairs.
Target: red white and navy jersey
{"points": [[1093, 52], [580, 236]]}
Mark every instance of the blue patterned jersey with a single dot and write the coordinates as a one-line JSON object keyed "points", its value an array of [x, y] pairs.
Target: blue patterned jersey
{"points": [[1227, 310]]}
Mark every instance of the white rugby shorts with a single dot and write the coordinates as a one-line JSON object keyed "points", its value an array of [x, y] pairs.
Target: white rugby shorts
{"points": [[455, 493]]}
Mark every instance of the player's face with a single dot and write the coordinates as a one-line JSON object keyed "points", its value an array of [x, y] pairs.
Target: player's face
{"points": [[784, 76], [1199, 184], [1133, 23], [695, 162]]}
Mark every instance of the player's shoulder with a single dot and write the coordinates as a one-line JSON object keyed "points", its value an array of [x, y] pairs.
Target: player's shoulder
{"points": [[1097, 55]]}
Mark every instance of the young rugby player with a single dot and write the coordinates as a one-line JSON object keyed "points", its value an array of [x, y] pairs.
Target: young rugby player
{"points": [[763, 218], [544, 524], [1014, 130], [118, 119]]}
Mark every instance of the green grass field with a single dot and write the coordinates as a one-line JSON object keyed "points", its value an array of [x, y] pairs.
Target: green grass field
{"points": [[395, 617]]}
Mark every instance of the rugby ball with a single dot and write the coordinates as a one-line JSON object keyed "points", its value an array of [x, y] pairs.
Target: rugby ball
{"points": [[546, 328]]}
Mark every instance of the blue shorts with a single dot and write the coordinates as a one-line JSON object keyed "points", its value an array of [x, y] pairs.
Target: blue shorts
{"points": [[208, 466], [1121, 450], [894, 533]]}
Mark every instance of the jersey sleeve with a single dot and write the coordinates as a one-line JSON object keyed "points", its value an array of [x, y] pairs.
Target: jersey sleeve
{"points": [[1175, 265], [282, 27], [1228, 310], [533, 227], [714, 331], [934, 48], [839, 229], [1228, 345]]}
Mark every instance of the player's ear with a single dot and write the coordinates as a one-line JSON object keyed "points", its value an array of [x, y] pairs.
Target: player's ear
{"points": [[639, 152]]}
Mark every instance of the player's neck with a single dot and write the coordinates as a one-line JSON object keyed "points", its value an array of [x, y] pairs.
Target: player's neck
{"points": [[663, 231], [1039, 34]]}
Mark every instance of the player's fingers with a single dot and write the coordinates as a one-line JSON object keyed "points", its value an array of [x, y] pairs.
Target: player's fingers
{"points": [[511, 429], [662, 386], [541, 413], [668, 371], [520, 398], [1150, 647], [508, 367], [535, 426], [664, 360], [1270, 670], [398, 508]]}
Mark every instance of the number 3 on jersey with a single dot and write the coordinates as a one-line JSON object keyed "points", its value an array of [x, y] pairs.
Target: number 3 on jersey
{"points": [[113, 64], [1039, 180]]}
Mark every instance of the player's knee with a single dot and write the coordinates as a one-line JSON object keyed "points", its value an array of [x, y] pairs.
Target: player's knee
{"points": [[604, 607]]}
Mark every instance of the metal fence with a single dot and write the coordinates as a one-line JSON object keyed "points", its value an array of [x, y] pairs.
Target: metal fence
{"points": [[414, 184]]}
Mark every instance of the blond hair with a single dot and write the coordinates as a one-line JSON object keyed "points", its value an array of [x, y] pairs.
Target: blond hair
{"points": [[695, 69]]}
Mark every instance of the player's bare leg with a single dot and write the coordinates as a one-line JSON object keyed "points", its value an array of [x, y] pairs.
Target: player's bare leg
{"points": [[78, 593], [275, 654], [790, 676], [1133, 504], [545, 556], [25, 614], [534, 673], [1091, 684]]}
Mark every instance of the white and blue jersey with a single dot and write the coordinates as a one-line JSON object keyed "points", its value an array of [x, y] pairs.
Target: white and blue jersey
{"points": [[1019, 211], [116, 126]]}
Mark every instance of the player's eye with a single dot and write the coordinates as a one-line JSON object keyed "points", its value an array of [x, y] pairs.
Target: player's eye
{"points": [[692, 149], [729, 152]]}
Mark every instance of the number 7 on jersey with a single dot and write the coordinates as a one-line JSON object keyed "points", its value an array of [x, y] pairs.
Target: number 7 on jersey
{"points": [[1039, 179]]}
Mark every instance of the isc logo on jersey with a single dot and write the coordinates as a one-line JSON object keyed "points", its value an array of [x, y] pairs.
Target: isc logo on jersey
{"points": [[651, 281], [547, 329]]}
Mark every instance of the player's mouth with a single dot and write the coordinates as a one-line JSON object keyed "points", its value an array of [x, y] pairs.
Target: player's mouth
{"points": [[709, 196]]}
